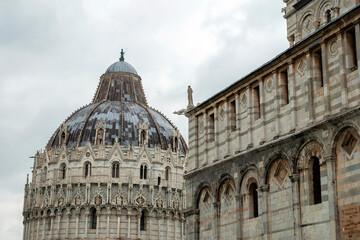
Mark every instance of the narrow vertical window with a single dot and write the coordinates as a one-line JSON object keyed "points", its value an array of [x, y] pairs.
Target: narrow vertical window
{"points": [[351, 41], [87, 169], [115, 170], [176, 144], [63, 138], [141, 172], [167, 173], [284, 84], [211, 127], [318, 67], [142, 137], [100, 137], [145, 172], [253, 201], [159, 181], [328, 16], [63, 171], [93, 219], [142, 221], [48, 220], [256, 92], [232, 116], [316, 180]]}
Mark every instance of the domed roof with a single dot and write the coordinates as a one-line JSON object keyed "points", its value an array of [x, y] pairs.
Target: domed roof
{"points": [[120, 110], [121, 66], [121, 121]]}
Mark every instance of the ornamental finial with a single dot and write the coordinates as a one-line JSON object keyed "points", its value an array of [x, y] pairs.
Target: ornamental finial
{"points": [[122, 55]]}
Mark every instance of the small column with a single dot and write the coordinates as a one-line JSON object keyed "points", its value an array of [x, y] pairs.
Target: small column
{"points": [[25, 229], [216, 132], [182, 228], [238, 120], [68, 214], [44, 226], [342, 67], [138, 224], [108, 222], [293, 98], [277, 104], [86, 222], [150, 217], [357, 41], [77, 224], [216, 220], [309, 76], [324, 60], [129, 221], [174, 220], [58, 226], [264, 191], [97, 222], [38, 227], [167, 226], [52, 217], [249, 117], [118, 225], [239, 216], [206, 124], [262, 109], [159, 219], [333, 211], [295, 181]]}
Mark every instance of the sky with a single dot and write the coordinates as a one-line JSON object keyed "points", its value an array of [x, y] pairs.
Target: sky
{"points": [[52, 54]]}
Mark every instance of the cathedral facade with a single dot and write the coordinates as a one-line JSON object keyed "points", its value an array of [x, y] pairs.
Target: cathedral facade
{"points": [[276, 155], [112, 170]]}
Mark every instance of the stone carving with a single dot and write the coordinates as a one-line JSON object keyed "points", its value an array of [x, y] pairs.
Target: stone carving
{"points": [[78, 198], [159, 200], [222, 113], [46, 199], [308, 26], [243, 100], [201, 124], [139, 198], [333, 48], [175, 200], [120, 198], [348, 3], [269, 84], [190, 98], [301, 67], [98, 197], [60, 197]]}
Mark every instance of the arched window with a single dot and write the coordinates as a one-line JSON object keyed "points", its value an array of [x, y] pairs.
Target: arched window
{"points": [[63, 138], [167, 173], [143, 171], [93, 218], [143, 137], [143, 221], [328, 16], [115, 170], [63, 171], [100, 136], [253, 201], [48, 220], [316, 180], [87, 169]]}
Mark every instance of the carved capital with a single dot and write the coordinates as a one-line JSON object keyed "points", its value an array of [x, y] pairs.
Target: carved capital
{"points": [[192, 212], [264, 188], [329, 159], [294, 177]]}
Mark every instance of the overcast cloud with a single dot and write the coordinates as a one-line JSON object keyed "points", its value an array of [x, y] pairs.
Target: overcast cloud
{"points": [[52, 54]]}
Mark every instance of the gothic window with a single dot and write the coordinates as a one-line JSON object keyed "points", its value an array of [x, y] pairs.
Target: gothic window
{"points": [[159, 181], [143, 171], [316, 180], [167, 173], [48, 220], [87, 169], [100, 137], [63, 171], [143, 221], [328, 16], [62, 138], [253, 201], [93, 218], [115, 170], [143, 137]]}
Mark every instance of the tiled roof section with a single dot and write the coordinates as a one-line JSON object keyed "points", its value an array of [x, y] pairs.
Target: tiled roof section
{"points": [[120, 87], [110, 113]]}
